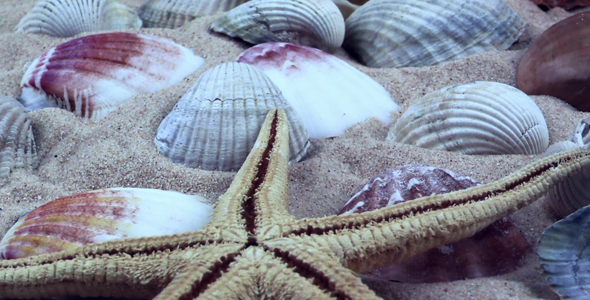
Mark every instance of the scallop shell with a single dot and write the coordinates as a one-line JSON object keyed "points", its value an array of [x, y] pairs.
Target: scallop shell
{"points": [[66, 18], [90, 76], [474, 118], [217, 121], [330, 93], [316, 23], [103, 215], [414, 33], [175, 13]]}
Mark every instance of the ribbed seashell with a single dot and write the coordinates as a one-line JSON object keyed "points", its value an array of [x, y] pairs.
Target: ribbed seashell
{"points": [[90, 76], [103, 215], [66, 18], [563, 253], [175, 13], [475, 118], [215, 124], [314, 23], [330, 93], [565, 4], [414, 33], [495, 250], [557, 64]]}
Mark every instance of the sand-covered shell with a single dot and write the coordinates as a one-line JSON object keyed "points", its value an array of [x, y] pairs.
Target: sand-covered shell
{"points": [[475, 118], [215, 124], [90, 76], [493, 251], [103, 215], [330, 93], [175, 13], [414, 33], [66, 18], [557, 63], [314, 23], [565, 4]]}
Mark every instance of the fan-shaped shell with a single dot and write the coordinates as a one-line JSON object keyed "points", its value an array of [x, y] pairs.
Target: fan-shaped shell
{"points": [[66, 18], [475, 118], [215, 124], [316, 23], [175, 13], [413, 33]]}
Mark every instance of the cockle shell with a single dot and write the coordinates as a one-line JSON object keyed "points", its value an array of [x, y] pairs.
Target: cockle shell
{"points": [[314, 23], [215, 124], [414, 33], [475, 118], [90, 76], [66, 18], [103, 215], [175, 13], [330, 93]]}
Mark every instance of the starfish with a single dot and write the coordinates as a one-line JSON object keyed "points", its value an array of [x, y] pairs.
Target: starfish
{"points": [[253, 248]]}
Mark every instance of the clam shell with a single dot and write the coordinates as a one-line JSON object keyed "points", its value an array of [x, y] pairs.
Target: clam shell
{"points": [[175, 13], [90, 76], [216, 122], [414, 33], [316, 23], [103, 215], [474, 118], [66, 18], [330, 93]]}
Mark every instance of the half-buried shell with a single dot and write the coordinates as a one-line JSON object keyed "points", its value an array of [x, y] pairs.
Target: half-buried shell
{"points": [[175, 13]]}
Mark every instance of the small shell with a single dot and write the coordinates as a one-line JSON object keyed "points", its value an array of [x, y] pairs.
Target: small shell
{"points": [[66, 18], [474, 118], [565, 4], [414, 33], [215, 124], [103, 215], [330, 93], [346, 8], [175, 13], [316, 23], [90, 76]]}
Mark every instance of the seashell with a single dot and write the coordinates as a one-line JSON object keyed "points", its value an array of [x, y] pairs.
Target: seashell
{"points": [[316, 23], [493, 251], [66, 18], [90, 76], [563, 253], [330, 93], [475, 118], [565, 4], [346, 8], [103, 215], [175, 13], [556, 63], [414, 33], [215, 124]]}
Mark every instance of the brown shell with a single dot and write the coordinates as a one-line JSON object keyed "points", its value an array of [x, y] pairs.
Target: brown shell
{"points": [[565, 4]]}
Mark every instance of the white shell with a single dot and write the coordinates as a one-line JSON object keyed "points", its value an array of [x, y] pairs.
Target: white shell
{"points": [[345, 7], [66, 18], [90, 76], [314, 23], [413, 33], [474, 118], [215, 124], [175, 13], [330, 93]]}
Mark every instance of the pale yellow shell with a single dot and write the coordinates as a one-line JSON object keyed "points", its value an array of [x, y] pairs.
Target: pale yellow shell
{"points": [[175, 13]]}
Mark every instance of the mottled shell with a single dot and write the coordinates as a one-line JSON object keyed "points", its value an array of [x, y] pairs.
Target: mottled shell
{"points": [[90, 76], [103, 215], [330, 93], [215, 124], [414, 33], [314, 23], [475, 118], [175, 13], [66, 18]]}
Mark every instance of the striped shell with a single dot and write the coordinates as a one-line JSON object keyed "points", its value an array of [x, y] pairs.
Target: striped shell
{"points": [[215, 124], [414, 33], [175, 13], [475, 118], [66, 18], [90, 76], [314, 23]]}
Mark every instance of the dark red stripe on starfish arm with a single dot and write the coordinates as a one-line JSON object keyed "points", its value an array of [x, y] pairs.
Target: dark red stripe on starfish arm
{"points": [[215, 272]]}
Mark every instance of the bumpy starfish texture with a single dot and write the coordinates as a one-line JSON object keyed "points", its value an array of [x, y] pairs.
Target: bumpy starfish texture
{"points": [[253, 248]]}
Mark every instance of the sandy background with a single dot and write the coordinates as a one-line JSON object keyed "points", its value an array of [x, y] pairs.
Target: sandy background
{"points": [[77, 155]]}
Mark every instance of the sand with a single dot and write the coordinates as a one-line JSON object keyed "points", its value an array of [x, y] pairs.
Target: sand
{"points": [[77, 155]]}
